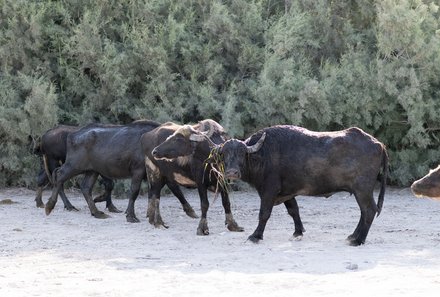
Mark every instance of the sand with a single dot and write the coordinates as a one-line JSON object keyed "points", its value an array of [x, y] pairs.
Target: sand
{"points": [[74, 254]]}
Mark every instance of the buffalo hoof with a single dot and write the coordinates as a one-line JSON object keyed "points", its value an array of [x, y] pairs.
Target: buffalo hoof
{"points": [[48, 210], [298, 234], [190, 212], [49, 207], [155, 219], [354, 241], [161, 225], [132, 219], [100, 215], [233, 226], [158, 223], [296, 238], [112, 208], [71, 208], [39, 204], [203, 229], [254, 238], [202, 232]]}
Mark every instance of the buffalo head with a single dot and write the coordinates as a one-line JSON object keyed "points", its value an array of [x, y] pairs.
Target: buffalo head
{"points": [[429, 185], [176, 145], [234, 155], [181, 142]]}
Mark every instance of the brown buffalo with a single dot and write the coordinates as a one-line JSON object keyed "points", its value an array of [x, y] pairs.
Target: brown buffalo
{"points": [[176, 154], [429, 185]]}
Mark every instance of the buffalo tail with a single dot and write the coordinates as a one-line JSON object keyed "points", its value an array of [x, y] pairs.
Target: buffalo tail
{"points": [[383, 180], [46, 169]]}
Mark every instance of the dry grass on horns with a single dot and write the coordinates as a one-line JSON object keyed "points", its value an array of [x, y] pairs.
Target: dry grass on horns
{"points": [[218, 170]]}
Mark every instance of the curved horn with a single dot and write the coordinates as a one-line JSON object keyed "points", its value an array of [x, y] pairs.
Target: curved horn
{"points": [[201, 136], [211, 130], [254, 148], [207, 124]]}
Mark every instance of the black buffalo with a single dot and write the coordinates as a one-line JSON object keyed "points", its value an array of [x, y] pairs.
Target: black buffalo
{"points": [[52, 148], [282, 162], [176, 155], [113, 151]]}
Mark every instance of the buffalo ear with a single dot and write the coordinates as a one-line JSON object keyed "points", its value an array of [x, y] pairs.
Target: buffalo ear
{"points": [[254, 148]]}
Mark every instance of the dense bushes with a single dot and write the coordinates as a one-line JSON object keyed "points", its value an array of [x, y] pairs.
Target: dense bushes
{"points": [[321, 64]]}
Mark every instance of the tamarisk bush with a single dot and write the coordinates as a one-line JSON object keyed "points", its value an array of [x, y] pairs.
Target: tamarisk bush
{"points": [[324, 65]]}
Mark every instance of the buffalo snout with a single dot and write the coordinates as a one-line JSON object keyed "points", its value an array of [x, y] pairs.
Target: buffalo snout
{"points": [[427, 188], [415, 188], [233, 173], [429, 185]]}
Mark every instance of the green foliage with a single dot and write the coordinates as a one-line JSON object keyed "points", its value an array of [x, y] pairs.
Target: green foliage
{"points": [[27, 106], [408, 79], [324, 65]]}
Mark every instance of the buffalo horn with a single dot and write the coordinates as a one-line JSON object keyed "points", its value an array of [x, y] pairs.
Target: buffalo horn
{"points": [[254, 148], [211, 128], [201, 136]]}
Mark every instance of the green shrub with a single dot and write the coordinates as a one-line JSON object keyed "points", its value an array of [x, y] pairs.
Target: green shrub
{"points": [[324, 65]]}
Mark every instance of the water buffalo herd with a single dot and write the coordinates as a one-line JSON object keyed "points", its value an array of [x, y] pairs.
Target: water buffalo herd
{"points": [[280, 162]]}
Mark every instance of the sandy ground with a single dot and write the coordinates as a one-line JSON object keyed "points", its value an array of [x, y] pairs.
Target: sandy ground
{"points": [[74, 254]]}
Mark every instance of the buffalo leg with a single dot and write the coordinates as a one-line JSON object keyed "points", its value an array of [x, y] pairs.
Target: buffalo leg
{"points": [[59, 176], [203, 229], [175, 189], [157, 182], [53, 164], [67, 205], [107, 196], [130, 214], [293, 211], [42, 181], [38, 198], [86, 188], [108, 186], [368, 209], [153, 211], [102, 197], [266, 205], [230, 223]]}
